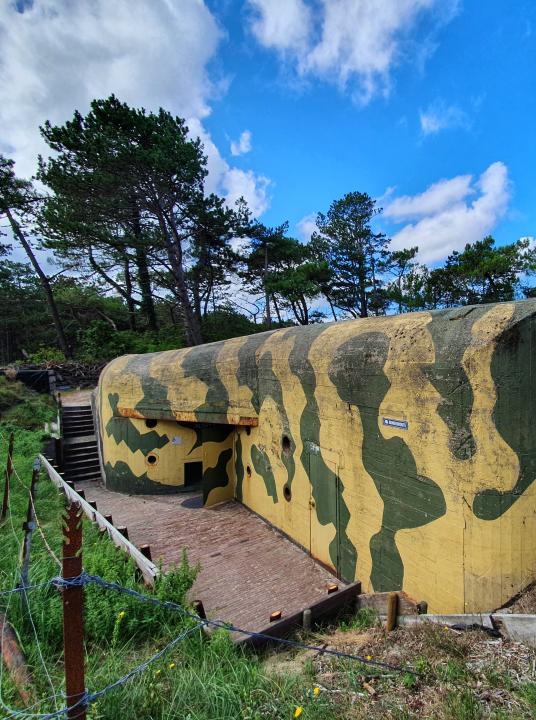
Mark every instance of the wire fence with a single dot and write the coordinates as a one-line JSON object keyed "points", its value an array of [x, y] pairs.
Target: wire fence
{"points": [[85, 579], [197, 625]]}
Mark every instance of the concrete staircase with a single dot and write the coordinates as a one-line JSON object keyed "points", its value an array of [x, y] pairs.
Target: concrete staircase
{"points": [[80, 453]]}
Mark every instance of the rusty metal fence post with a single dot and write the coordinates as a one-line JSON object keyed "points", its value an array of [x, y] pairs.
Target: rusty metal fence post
{"points": [[8, 474], [73, 620], [30, 524]]}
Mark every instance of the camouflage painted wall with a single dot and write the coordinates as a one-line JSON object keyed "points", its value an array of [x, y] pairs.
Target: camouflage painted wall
{"points": [[398, 450]]}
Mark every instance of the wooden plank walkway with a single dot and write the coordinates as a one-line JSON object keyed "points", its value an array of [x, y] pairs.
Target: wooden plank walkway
{"points": [[248, 569]]}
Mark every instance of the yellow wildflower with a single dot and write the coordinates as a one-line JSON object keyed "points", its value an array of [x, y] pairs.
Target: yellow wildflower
{"points": [[121, 615], [298, 712], [316, 691], [157, 672], [171, 665], [369, 657]]}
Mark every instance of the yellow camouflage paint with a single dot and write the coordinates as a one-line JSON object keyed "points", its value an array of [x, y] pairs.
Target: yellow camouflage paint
{"points": [[400, 451]]}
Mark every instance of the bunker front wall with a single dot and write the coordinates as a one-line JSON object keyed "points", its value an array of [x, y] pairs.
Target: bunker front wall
{"points": [[398, 450]]}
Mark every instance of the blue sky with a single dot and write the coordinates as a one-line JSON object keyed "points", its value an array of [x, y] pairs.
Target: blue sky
{"points": [[427, 105]]}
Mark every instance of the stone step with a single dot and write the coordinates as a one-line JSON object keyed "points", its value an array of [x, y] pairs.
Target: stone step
{"points": [[84, 477], [81, 461]]}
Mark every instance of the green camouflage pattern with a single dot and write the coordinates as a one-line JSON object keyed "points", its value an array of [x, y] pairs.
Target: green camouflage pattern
{"points": [[397, 450]]}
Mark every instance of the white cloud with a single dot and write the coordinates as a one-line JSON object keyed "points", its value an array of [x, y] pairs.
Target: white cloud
{"points": [[350, 41], [438, 197], [281, 24], [58, 55], [230, 182], [242, 145], [245, 183], [452, 213], [440, 116], [306, 227]]}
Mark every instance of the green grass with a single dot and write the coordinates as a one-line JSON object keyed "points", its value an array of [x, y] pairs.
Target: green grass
{"points": [[528, 693], [21, 407], [363, 619], [209, 679], [462, 705]]}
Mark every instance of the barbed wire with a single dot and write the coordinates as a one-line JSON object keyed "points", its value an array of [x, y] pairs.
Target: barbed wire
{"points": [[61, 583], [38, 524], [84, 578], [23, 586], [88, 698]]}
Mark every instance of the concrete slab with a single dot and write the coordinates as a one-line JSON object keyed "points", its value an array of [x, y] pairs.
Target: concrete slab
{"points": [[516, 627], [466, 620]]}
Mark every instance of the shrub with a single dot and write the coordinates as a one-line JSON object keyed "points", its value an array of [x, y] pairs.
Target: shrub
{"points": [[45, 355], [100, 342], [22, 407]]}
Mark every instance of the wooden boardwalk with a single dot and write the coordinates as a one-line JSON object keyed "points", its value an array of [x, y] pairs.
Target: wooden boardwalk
{"points": [[248, 569]]}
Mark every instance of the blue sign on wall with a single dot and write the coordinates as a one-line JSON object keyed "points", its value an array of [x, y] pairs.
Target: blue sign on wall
{"points": [[402, 424]]}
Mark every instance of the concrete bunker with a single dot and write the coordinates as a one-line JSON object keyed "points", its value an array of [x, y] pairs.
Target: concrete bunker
{"points": [[400, 451]]}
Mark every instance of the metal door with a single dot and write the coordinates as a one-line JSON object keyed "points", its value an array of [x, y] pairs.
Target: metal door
{"points": [[324, 509]]}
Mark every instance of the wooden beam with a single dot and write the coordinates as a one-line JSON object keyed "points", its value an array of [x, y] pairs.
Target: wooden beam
{"points": [[344, 599], [379, 602], [7, 477], [392, 611], [16, 662], [148, 569]]}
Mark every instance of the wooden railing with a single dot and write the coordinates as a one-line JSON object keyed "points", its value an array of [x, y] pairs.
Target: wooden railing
{"points": [[147, 568]]}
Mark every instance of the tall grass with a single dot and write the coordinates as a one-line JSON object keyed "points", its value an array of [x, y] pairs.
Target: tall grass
{"points": [[21, 407], [200, 679]]}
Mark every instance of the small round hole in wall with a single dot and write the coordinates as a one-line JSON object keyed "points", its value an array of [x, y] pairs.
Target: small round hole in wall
{"points": [[285, 444], [150, 423], [248, 471], [152, 459], [287, 493]]}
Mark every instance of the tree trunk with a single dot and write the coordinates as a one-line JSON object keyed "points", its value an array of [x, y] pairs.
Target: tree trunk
{"points": [[276, 307], [119, 288], [332, 308], [305, 311], [144, 279], [128, 295], [197, 299], [60, 333], [266, 293], [363, 310], [174, 253]]}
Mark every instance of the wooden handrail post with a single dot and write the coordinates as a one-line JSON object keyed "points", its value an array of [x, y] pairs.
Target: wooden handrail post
{"points": [[73, 620], [8, 474], [58, 451], [392, 611]]}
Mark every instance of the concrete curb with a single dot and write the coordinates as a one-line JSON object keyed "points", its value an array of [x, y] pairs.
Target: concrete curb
{"points": [[512, 626]]}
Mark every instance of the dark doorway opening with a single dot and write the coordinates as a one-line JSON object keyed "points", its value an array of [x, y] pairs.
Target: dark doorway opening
{"points": [[193, 473]]}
